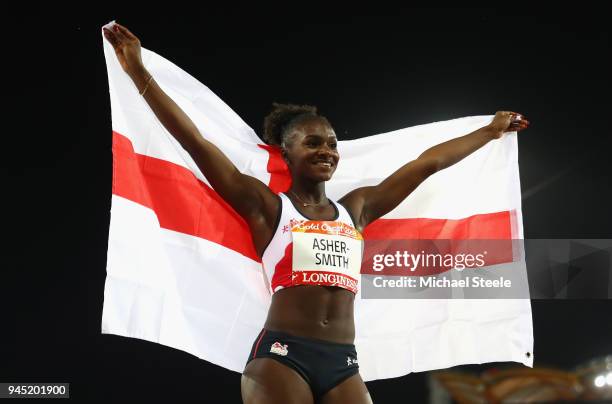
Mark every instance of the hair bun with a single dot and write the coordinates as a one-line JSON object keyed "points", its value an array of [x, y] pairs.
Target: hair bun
{"points": [[280, 118]]}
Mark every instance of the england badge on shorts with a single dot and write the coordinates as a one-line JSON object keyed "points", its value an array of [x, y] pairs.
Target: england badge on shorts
{"points": [[279, 349]]}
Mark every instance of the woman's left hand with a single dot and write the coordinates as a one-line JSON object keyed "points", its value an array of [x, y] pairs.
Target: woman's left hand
{"points": [[127, 48], [507, 121]]}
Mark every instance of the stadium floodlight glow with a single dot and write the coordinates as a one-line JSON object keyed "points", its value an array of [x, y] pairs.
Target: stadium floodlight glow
{"points": [[609, 379], [600, 381]]}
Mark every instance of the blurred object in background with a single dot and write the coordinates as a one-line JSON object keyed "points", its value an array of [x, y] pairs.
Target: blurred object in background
{"points": [[588, 383], [596, 377]]}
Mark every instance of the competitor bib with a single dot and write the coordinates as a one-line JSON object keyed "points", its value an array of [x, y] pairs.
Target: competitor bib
{"points": [[326, 253]]}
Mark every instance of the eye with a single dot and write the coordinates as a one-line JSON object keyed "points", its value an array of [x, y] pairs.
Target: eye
{"points": [[334, 146]]}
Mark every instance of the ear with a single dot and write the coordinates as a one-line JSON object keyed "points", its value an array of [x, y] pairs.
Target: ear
{"points": [[284, 154]]}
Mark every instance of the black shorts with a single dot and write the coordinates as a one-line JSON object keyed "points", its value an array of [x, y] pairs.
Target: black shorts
{"points": [[322, 364]]}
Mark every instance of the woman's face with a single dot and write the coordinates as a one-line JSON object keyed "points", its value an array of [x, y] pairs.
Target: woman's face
{"points": [[312, 150]]}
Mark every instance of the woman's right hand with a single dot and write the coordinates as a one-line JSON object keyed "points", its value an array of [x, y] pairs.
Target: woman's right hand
{"points": [[127, 48], [507, 121]]}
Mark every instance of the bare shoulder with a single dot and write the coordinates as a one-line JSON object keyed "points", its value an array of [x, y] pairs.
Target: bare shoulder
{"points": [[262, 201], [260, 208], [354, 203]]}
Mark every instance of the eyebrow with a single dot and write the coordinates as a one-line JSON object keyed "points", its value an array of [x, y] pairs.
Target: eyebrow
{"points": [[318, 136]]}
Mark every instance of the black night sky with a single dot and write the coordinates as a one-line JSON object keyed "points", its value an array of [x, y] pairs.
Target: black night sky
{"points": [[369, 71]]}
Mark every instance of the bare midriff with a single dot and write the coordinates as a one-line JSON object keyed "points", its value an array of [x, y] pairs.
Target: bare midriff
{"points": [[321, 312]]}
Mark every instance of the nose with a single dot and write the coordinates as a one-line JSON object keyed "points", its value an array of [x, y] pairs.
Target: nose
{"points": [[326, 150]]}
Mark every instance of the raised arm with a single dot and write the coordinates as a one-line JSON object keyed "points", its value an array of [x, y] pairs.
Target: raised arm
{"points": [[252, 199], [370, 203]]}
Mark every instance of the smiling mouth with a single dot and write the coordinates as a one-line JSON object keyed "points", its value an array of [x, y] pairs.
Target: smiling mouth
{"points": [[323, 164]]}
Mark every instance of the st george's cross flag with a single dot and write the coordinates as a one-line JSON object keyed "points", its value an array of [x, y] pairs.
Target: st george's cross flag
{"points": [[182, 270]]}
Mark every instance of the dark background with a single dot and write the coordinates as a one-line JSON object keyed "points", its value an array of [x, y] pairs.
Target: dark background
{"points": [[368, 70]]}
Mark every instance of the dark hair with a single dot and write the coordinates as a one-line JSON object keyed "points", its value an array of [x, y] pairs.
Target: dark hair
{"points": [[283, 117]]}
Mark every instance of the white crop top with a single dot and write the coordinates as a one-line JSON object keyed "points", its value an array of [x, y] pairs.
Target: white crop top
{"points": [[304, 251]]}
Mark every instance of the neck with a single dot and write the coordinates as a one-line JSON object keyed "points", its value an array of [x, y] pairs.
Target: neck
{"points": [[309, 192]]}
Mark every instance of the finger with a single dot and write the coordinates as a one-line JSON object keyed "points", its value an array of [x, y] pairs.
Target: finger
{"points": [[520, 119], [518, 115], [126, 31], [520, 122], [518, 125], [118, 33], [515, 129], [110, 37]]}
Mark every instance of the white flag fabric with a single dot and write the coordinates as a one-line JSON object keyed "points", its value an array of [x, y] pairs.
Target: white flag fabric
{"points": [[182, 270]]}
